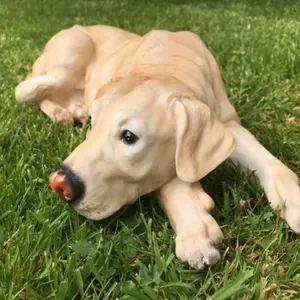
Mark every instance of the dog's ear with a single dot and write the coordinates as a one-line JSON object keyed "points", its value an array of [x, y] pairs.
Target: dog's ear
{"points": [[35, 88], [202, 141]]}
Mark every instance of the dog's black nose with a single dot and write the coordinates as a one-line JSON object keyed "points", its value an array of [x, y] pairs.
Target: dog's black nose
{"points": [[66, 184]]}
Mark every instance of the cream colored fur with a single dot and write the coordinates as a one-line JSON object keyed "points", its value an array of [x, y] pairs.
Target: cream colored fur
{"points": [[166, 88]]}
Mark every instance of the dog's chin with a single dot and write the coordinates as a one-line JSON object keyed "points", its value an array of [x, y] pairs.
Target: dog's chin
{"points": [[96, 213]]}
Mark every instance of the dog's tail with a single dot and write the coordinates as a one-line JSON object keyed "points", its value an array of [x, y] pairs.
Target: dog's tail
{"points": [[35, 89]]}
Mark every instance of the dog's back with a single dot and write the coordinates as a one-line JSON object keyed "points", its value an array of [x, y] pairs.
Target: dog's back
{"points": [[77, 61], [171, 54]]}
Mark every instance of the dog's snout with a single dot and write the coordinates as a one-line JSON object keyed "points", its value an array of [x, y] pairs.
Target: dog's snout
{"points": [[66, 184]]}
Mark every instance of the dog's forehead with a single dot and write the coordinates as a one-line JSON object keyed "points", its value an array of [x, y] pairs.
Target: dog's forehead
{"points": [[141, 98], [147, 99]]}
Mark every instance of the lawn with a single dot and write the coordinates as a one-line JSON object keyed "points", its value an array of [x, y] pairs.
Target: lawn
{"points": [[49, 252]]}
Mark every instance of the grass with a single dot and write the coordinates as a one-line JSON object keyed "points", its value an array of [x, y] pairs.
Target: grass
{"points": [[49, 252]]}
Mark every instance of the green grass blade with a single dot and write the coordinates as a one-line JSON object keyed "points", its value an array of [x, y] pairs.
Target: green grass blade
{"points": [[233, 287]]}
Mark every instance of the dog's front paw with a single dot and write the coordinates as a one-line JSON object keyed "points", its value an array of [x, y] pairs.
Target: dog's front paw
{"points": [[197, 244], [283, 191], [197, 251], [62, 116]]}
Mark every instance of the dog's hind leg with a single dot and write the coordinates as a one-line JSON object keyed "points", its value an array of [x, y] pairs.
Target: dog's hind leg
{"points": [[280, 184], [57, 81]]}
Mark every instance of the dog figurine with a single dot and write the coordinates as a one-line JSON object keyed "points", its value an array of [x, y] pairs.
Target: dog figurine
{"points": [[160, 122]]}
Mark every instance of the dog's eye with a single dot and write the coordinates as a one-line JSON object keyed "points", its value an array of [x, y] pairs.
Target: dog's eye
{"points": [[128, 137]]}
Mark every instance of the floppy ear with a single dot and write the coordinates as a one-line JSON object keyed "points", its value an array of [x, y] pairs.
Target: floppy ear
{"points": [[35, 89], [202, 141]]}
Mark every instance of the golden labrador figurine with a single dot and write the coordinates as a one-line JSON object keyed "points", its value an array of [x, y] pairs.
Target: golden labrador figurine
{"points": [[160, 121]]}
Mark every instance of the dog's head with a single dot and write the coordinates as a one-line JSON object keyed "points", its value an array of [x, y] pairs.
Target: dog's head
{"points": [[144, 132]]}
